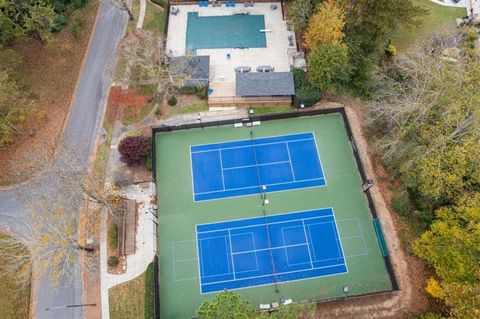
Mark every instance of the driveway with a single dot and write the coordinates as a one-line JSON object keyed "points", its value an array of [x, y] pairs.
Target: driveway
{"points": [[80, 134]]}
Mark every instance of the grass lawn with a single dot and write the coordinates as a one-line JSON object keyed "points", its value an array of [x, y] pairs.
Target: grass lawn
{"points": [[155, 18], [128, 300], [192, 108], [261, 110], [133, 299], [438, 19], [14, 302]]}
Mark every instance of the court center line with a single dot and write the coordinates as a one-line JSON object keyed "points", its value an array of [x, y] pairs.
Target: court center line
{"points": [[308, 246], [290, 160], [221, 168], [231, 253], [265, 249]]}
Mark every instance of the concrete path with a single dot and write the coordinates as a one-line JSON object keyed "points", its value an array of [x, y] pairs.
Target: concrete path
{"points": [[145, 246], [141, 16]]}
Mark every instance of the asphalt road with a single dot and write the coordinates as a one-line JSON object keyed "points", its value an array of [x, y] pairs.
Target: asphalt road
{"points": [[80, 134]]}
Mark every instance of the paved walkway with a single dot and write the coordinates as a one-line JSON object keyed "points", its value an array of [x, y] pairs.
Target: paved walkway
{"points": [[146, 244], [141, 16]]}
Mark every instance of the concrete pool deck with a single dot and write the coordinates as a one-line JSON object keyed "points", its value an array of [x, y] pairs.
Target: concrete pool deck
{"points": [[222, 69]]}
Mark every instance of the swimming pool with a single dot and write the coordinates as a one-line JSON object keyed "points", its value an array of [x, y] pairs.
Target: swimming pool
{"points": [[220, 32]]}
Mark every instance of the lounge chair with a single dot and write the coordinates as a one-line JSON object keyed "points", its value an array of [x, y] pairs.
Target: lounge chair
{"points": [[243, 69], [174, 11], [273, 6], [265, 68]]}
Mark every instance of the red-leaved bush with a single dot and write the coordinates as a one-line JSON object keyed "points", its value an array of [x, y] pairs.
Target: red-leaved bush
{"points": [[133, 149], [126, 98]]}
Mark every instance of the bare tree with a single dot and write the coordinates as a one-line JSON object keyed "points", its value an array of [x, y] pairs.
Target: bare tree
{"points": [[123, 5], [55, 200], [144, 56]]}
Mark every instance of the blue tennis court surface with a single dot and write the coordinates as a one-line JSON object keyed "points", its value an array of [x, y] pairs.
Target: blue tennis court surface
{"points": [[241, 168], [244, 253]]}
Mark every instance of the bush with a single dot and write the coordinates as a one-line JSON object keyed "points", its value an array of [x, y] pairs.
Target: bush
{"points": [[149, 292], [304, 93], [59, 22], [202, 92], [172, 100], [401, 203], [148, 159], [133, 149], [113, 236], [76, 25], [112, 261], [185, 90], [391, 50]]}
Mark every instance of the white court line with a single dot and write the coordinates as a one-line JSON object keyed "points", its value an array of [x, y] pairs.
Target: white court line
{"points": [[260, 225], [246, 166], [221, 168], [273, 184], [250, 146], [320, 160], [265, 249], [290, 160], [281, 273], [308, 246], [258, 138], [231, 254]]}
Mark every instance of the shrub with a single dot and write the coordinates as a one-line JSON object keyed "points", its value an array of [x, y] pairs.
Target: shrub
{"points": [[172, 100], [185, 90], [304, 93], [113, 236], [149, 292], [202, 92], [391, 50], [112, 261], [59, 22], [133, 149], [76, 25], [401, 203], [148, 159]]}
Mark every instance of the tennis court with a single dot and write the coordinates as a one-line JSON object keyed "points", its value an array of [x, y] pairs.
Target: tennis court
{"points": [[256, 165], [267, 250], [227, 31], [217, 231]]}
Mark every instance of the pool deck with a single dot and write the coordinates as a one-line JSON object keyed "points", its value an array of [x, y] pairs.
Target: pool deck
{"points": [[222, 73]]}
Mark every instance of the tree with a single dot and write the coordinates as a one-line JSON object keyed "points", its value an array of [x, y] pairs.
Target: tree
{"points": [[123, 5], [300, 11], [13, 104], [133, 149], [369, 24], [328, 67], [39, 21], [20, 18], [452, 248], [226, 305], [426, 122], [326, 26]]}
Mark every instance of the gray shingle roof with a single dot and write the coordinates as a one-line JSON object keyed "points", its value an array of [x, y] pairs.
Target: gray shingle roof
{"points": [[265, 84], [196, 67]]}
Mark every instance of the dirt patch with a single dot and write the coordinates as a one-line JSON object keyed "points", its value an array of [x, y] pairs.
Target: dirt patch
{"points": [[51, 73], [409, 270]]}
